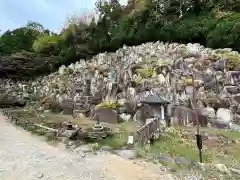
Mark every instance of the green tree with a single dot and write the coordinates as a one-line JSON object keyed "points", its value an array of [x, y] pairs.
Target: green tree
{"points": [[47, 44], [17, 40], [35, 26]]}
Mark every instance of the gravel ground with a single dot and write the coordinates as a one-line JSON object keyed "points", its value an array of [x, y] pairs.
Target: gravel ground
{"points": [[26, 157]]}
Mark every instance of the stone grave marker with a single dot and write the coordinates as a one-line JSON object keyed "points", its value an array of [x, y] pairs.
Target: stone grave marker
{"points": [[106, 115], [67, 106]]}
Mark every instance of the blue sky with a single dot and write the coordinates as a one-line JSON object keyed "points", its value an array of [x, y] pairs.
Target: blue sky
{"points": [[52, 14]]}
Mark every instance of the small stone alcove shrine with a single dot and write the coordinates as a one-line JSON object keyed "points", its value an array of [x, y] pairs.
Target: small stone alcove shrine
{"points": [[154, 106]]}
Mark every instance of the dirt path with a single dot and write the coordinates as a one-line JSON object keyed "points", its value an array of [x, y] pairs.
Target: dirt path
{"points": [[25, 157]]}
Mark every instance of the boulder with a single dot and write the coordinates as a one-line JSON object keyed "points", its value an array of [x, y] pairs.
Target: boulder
{"points": [[224, 115], [208, 112]]}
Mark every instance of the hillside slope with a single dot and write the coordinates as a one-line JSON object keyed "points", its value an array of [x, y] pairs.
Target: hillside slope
{"points": [[132, 73]]}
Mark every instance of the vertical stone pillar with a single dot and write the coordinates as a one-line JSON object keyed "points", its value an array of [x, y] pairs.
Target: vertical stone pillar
{"points": [[162, 112], [232, 79], [24, 87], [88, 87], [232, 112]]}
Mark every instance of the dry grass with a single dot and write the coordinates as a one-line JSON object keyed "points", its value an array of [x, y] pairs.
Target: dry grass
{"points": [[55, 118], [85, 123]]}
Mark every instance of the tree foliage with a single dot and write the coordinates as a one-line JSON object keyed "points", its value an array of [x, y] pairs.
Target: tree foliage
{"points": [[47, 44], [17, 40]]}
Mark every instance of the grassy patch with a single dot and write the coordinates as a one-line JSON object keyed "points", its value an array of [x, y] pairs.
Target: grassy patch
{"points": [[173, 144], [231, 135], [113, 141], [181, 143], [234, 151], [120, 134]]}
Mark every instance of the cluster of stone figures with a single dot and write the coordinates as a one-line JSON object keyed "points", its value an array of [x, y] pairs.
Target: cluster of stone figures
{"points": [[216, 89], [131, 74]]}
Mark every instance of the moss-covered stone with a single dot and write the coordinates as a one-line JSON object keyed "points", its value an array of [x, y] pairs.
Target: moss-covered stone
{"points": [[139, 80], [145, 72], [107, 104], [233, 62], [163, 63], [187, 81], [185, 53]]}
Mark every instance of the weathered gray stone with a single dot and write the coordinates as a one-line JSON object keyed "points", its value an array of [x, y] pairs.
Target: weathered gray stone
{"points": [[126, 154], [222, 168], [182, 161], [165, 159], [224, 115]]}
